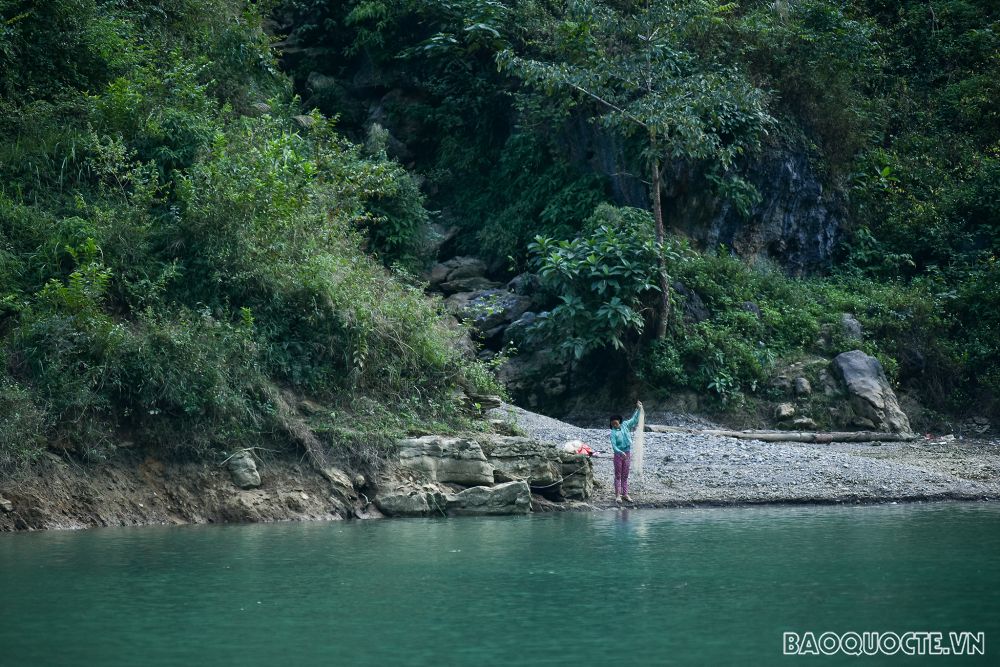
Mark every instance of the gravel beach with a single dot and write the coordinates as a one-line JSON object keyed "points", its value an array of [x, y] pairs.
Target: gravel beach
{"points": [[692, 469]]}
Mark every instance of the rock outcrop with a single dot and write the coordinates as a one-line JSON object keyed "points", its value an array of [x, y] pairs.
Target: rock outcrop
{"points": [[243, 470], [871, 396], [434, 468], [444, 459], [577, 476], [404, 501], [457, 268], [796, 224], [409, 499], [508, 498], [548, 470], [519, 458]]}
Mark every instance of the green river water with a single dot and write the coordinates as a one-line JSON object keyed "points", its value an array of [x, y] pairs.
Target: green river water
{"points": [[683, 586]]}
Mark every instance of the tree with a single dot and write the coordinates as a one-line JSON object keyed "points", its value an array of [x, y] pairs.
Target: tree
{"points": [[653, 72]]}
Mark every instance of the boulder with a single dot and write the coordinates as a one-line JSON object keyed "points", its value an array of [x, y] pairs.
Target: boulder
{"points": [[466, 267], [509, 498], [402, 501], [443, 459], [784, 411], [517, 331], [803, 424], [577, 476], [535, 377], [439, 274], [341, 483], [871, 396], [243, 470], [501, 309], [456, 304], [802, 386], [457, 268], [850, 327], [6, 505], [546, 468], [515, 457], [488, 309], [524, 284], [695, 310]]}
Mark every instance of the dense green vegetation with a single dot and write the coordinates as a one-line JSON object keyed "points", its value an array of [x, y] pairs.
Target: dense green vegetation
{"points": [[186, 249], [181, 248], [524, 117]]}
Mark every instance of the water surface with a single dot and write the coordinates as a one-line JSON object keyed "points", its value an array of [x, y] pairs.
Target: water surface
{"points": [[685, 586]]}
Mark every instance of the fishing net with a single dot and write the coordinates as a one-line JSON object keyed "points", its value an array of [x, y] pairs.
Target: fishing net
{"points": [[638, 444]]}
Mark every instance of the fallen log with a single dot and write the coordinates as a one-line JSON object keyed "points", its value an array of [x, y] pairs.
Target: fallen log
{"points": [[792, 436]]}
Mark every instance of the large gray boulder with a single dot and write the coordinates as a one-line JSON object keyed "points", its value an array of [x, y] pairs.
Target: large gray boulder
{"points": [[516, 457], [444, 459], [243, 470], [517, 331], [695, 310], [488, 308], [403, 501], [871, 396], [509, 498]]}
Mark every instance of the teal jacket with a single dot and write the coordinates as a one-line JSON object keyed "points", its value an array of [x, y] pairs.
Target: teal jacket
{"points": [[621, 437]]}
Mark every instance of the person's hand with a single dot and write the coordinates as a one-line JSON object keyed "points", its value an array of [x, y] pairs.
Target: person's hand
{"points": [[638, 404]]}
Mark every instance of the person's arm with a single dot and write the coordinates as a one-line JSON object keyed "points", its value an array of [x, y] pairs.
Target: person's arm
{"points": [[633, 420]]}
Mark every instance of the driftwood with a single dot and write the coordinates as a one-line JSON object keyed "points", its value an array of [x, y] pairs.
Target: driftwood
{"points": [[793, 436]]}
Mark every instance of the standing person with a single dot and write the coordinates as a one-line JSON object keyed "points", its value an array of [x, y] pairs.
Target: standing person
{"points": [[621, 443]]}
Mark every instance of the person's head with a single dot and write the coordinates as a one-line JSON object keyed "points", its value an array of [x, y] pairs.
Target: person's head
{"points": [[616, 421]]}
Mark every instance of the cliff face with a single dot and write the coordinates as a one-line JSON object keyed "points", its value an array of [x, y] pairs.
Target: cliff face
{"points": [[796, 224]]}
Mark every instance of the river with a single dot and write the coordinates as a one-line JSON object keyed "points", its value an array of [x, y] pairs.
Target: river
{"points": [[681, 586]]}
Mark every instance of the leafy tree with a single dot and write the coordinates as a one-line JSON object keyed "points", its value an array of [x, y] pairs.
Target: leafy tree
{"points": [[650, 70], [601, 279]]}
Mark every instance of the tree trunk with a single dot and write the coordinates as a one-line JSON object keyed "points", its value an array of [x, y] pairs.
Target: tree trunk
{"points": [[661, 326], [792, 436]]}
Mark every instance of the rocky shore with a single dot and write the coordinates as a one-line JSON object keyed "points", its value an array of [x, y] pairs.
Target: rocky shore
{"points": [[689, 468], [483, 474]]}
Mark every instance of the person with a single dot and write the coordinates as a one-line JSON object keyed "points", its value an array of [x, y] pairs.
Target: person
{"points": [[621, 443]]}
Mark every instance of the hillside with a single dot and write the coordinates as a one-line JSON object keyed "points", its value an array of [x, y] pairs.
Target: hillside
{"points": [[182, 261], [227, 224], [815, 160]]}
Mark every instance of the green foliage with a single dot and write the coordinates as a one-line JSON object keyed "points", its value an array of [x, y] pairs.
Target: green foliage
{"points": [[823, 61], [601, 279], [651, 70], [22, 426], [173, 246]]}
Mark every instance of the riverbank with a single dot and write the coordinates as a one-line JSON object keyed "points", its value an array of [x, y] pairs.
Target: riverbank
{"points": [[132, 490], [681, 469], [698, 469]]}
